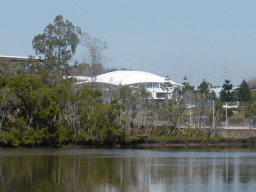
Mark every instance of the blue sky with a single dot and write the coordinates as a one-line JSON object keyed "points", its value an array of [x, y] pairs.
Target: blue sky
{"points": [[161, 37]]}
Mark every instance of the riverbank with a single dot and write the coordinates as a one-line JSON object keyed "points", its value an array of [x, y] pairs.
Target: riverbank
{"points": [[160, 137], [160, 144]]}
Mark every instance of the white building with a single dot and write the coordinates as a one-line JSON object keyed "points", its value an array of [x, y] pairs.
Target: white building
{"points": [[218, 90], [157, 86], [18, 58]]}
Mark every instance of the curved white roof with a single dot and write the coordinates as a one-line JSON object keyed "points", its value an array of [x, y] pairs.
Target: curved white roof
{"points": [[130, 77]]}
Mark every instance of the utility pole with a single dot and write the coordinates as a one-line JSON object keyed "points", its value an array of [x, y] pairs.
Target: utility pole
{"points": [[226, 115], [226, 102], [190, 115], [213, 115], [167, 87], [226, 71], [189, 75]]}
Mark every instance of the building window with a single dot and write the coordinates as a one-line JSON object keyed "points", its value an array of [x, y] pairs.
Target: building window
{"points": [[160, 95]]}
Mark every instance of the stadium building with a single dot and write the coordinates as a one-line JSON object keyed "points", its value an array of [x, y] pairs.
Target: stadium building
{"points": [[158, 87]]}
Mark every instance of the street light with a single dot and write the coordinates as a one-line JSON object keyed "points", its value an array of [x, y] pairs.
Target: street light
{"points": [[213, 115], [166, 85], [190, 114], [226, 115], [251, 120]]}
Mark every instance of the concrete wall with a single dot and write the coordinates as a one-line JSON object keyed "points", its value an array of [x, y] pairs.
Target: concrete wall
{"points": [[235, 133]]}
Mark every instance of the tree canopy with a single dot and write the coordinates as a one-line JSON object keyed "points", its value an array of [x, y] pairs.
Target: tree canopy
{"points": [[226, 95], [244, 93], [186, 85], [204, 87], [58, 43]]}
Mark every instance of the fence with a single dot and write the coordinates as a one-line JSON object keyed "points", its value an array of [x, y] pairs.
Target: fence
{"points": [[232, 123], [201, 122]]}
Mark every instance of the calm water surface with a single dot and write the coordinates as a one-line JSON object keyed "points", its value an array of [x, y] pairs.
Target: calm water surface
{"points": [[191, 170]]}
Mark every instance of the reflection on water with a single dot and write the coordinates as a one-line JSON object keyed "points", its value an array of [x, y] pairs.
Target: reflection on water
{"points": [[127, 170]]}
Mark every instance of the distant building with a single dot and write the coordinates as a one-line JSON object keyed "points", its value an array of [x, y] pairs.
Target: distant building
{"points": [[17, 58], [158, 87], [218, 90]]}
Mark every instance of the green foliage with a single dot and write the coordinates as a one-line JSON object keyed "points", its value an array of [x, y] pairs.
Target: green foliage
{"points": [[32, 137], [14, 132], [84, 138], [204, 87], [213, 96], [244, 93], [186, 85], [8, 68], [63, 133], [222, 114], [226, 95], [125, 93], [31, 66], [58, 43], [250, 110]]}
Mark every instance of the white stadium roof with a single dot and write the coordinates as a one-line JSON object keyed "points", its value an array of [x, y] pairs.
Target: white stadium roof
{"points": [[126, 78]]}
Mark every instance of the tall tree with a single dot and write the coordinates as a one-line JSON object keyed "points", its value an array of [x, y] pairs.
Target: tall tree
{"points": [[57, 43], [252, 82], [94, 54], [226, 95], [213, 95], [204, 87], [244, 93], [186, 86]]}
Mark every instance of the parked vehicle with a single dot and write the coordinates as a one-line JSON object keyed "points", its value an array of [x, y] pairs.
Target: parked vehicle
{"points": [[230, 107]]}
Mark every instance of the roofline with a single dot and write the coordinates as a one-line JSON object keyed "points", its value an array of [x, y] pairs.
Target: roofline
{"points": [[17, 57], [100, 79]]}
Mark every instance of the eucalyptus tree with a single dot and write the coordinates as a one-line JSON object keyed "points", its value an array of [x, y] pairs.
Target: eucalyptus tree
{"points": [[31, 65], [57, 43], [95, 49], [94, 54], [201, 98], [252, 82]]}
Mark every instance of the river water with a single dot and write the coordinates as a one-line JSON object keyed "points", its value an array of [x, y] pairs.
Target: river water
{"points": [[192, 170]]}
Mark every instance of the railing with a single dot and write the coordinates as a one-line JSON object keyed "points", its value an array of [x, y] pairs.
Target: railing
{"points": [[232, 124]]}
